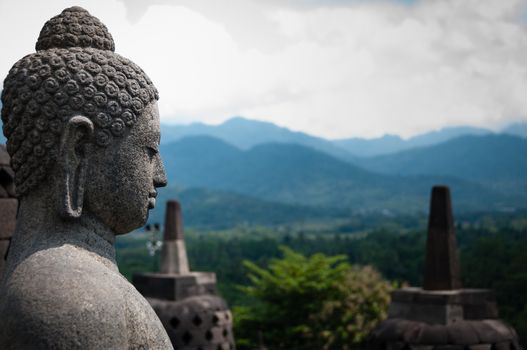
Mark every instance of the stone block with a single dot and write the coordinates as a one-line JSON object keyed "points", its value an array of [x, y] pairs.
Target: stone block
{"points": [[503, 346], [175, 287], [421, 347], [436, 335], [4, 246], [8, 211], [4, 156], [443, 307], [428, 313], [462, 333], [480, 347]]}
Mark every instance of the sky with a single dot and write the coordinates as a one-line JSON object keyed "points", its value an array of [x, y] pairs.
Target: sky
{"points": [[331, 68]]}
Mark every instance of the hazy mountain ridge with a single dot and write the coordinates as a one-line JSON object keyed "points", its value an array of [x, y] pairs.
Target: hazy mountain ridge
{"points": [[245, 133], [295, 174], [468, 159], [390, 144], [497, 161], [516, 129]]}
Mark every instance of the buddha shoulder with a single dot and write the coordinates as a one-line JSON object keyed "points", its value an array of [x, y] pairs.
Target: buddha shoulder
{"points": [[52, 307]]}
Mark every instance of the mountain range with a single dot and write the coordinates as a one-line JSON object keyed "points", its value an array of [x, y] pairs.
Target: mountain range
{"points": [[296, 174], [484, 169], [496, 161], [246, 133], [390, 144]]}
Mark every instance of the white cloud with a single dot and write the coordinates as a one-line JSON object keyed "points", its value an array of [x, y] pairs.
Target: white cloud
{"points": [[352, 68]]}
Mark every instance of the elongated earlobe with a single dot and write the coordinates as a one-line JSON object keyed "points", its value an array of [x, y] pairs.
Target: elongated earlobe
{"points": [[73, 161]]}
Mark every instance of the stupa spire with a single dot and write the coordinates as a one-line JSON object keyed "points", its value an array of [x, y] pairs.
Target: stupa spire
{"points": [[442, 263], [174, 252]]}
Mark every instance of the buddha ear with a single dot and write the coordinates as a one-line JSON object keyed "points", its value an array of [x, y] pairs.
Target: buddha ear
{"points": [[73, 163]]}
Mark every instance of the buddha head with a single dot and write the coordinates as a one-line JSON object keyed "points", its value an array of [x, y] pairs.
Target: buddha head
{"points": [[82, 125]]}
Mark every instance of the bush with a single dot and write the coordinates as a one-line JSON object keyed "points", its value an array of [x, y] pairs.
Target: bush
{"points": [[317, 302]]}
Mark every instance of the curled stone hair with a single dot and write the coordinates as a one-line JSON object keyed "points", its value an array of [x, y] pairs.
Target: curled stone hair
{"points": [[75, 71]]}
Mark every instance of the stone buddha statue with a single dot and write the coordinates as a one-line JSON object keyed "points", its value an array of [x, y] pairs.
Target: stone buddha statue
{"points": [[82, 129]]}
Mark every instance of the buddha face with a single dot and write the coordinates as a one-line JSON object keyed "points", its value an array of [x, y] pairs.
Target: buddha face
{"points": [[123, 177]]}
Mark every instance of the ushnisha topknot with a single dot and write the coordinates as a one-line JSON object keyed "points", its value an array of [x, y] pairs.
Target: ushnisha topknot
{"points": [[75, 27], [75, 71]]}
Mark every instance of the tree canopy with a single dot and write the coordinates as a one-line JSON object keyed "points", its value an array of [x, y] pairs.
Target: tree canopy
{"points": [[316, 302]]}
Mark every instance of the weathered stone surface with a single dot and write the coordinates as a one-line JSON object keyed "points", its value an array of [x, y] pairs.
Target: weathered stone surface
{"points": [[442, 297], [4, 156], [175, 287], [7, 176], [431, 334], [442, 263], [398, 345], [461, 333], [8, 210], [8, 206], [430, 313], [449, 347], [203, 322], [420, 347], [443, 307], [173, 222], [503, 346], [480, 347], [82, 128], [4, 248], [7, 182], [174, 253]]}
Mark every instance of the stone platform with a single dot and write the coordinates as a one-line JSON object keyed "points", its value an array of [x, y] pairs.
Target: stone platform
{"points": [[175, 287], [443, 307]]}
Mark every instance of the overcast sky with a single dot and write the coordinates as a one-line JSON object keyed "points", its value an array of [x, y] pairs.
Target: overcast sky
{"points": [[332, 68]]}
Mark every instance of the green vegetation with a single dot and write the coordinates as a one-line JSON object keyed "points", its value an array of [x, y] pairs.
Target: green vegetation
{"points": [[492, 254], [311, 303]]}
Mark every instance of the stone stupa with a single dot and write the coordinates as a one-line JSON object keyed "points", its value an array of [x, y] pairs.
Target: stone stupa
{"points": [[187, 303], [442, 314]]}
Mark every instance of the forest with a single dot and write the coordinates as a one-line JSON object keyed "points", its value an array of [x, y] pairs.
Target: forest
{"points": [[491, 248]]}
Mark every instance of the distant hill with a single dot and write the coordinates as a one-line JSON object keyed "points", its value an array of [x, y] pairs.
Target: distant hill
{"points": [[497, 161], [516, 129], [296, 174], [245, 133], [219, 210], [389, 144]]}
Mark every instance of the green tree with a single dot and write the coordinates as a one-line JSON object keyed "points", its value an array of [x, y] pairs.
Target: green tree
{"points": [[316, 302], [363, 303]]}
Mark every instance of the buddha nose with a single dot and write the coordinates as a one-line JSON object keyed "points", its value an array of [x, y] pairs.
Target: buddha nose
{"points": [[160, 177]]}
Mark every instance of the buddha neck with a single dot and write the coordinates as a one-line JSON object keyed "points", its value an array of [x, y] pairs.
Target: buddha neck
{"points": [[39, 227]]}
